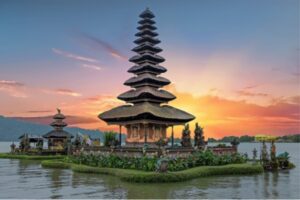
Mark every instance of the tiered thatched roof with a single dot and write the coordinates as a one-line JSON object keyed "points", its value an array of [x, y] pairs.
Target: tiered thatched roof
{"points": [[58, 124], [146, 94]]}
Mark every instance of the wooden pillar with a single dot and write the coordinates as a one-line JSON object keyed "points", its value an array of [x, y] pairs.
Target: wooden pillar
{"points": [[120, 135], [145, 132], [172, 136]]}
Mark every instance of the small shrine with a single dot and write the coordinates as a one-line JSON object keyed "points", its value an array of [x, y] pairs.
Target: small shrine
{"points": [[58, 138], [28, 141]]}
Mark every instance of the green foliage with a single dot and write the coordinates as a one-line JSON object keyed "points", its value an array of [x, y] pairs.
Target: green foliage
{"points": [[247, 138], [153, 177], [211, 140], [221, 145], [109, 138], [55, 164], [202, 158]]}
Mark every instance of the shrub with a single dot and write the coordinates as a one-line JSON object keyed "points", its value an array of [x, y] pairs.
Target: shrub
{"points": [[151, 177], [55, 164], [109, 138], [203, 158]]}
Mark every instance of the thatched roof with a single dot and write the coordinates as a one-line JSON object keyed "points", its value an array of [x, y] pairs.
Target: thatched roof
{"points": [[58, 134], [29, 136], [146, 26], [58, 124], [147, 46], [147, 67], [147, 14], [147, 79], [146, 32], [147, 91], [165, 112], [145, 21], [147, 38], [147, 57]]}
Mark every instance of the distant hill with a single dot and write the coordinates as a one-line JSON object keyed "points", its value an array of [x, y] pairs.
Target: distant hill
{"points": [[11, 129]]}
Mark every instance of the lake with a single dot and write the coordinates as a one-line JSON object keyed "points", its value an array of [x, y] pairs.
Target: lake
{"points": [[27, 179]]}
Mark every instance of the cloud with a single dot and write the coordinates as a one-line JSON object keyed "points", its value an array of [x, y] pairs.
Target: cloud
{"points": [[74, 56], [221, 116], [62, 91], [251, 94], [91, 66], [39, 111], [13, 88], [97, 43]]}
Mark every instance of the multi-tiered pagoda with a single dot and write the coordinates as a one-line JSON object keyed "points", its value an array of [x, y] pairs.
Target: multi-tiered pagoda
{"points": [[58, 137], [146, 116]]}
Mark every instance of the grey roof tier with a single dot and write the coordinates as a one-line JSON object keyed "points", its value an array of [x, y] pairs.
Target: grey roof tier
{"points": [[147, 93], [58, 124], [147, 67], [147, 79], [146, 21], [59, 116], [146, 32], [146, 26], [30, 136], [147, 14], [147, 39], [146, 111], [147, 57], [147, 47], [58, 134]]}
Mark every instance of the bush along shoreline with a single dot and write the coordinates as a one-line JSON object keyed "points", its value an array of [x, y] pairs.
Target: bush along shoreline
{"points": [[146, 163], [131, 175]]}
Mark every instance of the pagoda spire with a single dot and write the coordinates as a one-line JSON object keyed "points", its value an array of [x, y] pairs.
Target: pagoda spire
{"points": [[146, 83], [145, 114], [58, 123]]}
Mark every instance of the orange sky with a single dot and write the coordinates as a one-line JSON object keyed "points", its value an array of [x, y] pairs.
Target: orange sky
{"points": [[237, 72]]}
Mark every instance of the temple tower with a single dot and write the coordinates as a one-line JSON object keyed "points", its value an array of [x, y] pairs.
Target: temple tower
{"points": [[58, 137], [146, 116]]}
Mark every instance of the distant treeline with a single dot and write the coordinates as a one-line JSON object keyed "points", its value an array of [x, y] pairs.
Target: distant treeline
{"points": [[247, 138]]}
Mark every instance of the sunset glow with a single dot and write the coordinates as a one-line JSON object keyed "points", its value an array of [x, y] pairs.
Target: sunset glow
{"points": [[237, 76]]}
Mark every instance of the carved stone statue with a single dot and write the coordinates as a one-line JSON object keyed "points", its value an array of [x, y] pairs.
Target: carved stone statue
{"points": [[264, 153], [254, 154], [186, 136], [199, 138], [12, 147]]}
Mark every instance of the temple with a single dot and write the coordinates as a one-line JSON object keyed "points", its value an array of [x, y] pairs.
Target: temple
{"points": [[146, 116], [57, 138]]}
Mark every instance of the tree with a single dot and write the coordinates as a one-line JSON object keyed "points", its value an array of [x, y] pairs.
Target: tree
{"points": [[110, 138]]}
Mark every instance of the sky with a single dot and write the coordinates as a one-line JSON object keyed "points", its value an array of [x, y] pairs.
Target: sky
{"points": [[233, 64]]}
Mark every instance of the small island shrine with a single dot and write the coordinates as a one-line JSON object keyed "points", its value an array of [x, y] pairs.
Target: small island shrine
{"points": [[58, 137], [146, 116]]}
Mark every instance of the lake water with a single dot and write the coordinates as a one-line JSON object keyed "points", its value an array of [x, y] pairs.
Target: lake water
{"points": [[27, 179]]}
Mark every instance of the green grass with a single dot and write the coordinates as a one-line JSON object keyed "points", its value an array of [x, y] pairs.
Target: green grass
{"points": [[291, 165], [56, 164], [30, 157], [154, 177]]}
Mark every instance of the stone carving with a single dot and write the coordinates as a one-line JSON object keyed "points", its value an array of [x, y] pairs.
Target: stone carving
{"points": [[186, 136], [199, 138]]}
